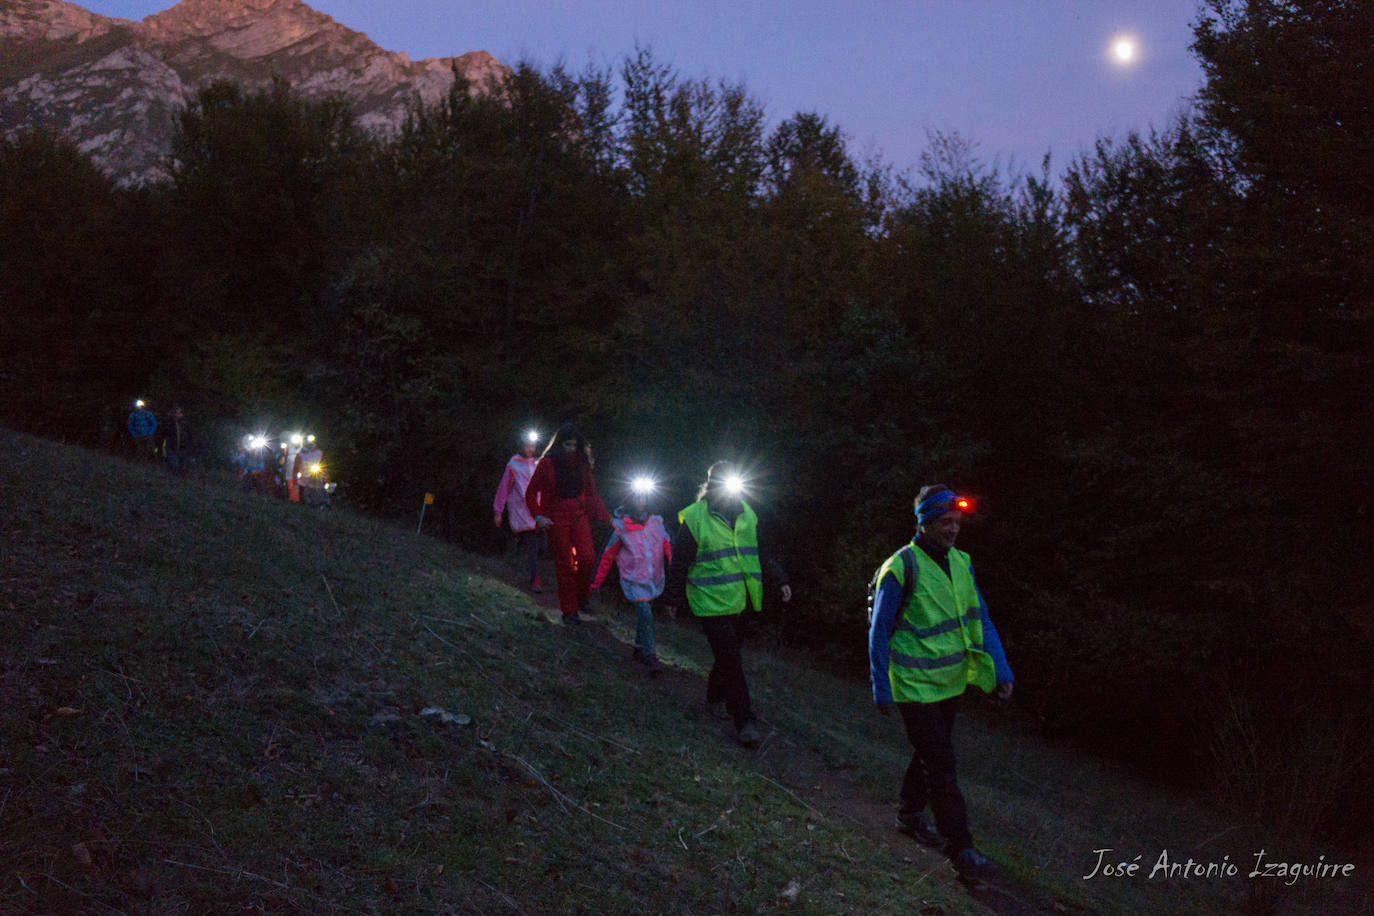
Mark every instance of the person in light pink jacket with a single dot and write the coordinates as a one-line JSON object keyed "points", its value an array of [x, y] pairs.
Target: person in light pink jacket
{"points": [[510, 499], [641, 550]]}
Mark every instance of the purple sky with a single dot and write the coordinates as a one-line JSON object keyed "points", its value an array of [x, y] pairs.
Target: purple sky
{"points": [[1017, 77]]}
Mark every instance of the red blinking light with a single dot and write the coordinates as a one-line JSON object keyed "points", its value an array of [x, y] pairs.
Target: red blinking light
{"points": [[964, 504]]}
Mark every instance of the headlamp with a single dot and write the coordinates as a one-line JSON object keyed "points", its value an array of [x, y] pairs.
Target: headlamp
{"points": [[936, 505], [532, 436], [257, 442], [138, 403], [309, 438], [314, 468], [734, 484], [643, 485], [297, 439]]}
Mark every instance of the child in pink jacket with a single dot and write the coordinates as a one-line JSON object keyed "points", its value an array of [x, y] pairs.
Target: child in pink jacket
{"points": [[642, 550], [510, 498]]}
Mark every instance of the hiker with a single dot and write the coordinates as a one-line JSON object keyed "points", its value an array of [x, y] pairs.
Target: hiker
{"points": [[291, 450], [929, 639], [252, 462], [176, 441], [142, 426], [640, 549], [562, 498], [718, 568], [515, 480], [311, 475]]}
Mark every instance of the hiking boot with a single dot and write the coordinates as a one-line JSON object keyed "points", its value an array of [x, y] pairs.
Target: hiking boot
{"points": [[536, 586], [655, 669], [972, 864], [749, 734], [572, 619], [919, 828]]}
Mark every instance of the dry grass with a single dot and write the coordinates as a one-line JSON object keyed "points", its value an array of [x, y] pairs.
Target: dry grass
{"points": [[211, 702]]}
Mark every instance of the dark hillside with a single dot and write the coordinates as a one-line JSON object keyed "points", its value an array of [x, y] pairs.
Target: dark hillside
{"points": [[213, 700]]}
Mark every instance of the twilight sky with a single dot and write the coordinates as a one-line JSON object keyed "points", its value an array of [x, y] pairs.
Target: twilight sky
{"points": [[1017, 77]]}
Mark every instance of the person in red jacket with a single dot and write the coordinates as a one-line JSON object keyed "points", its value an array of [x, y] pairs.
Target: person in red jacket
{"points": [[562, 498]]}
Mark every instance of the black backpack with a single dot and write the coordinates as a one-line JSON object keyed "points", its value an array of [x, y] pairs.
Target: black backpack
{"points": [[908, 581]]}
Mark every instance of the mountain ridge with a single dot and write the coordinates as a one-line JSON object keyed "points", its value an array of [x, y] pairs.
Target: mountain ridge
{"points": [[114, 86]]}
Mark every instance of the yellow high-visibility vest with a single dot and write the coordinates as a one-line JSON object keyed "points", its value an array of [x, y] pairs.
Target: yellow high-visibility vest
{"points": [[937, 646], [726, 576]]}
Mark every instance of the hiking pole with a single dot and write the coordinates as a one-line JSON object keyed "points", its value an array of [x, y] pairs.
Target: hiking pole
{"points": [[429, 501]]}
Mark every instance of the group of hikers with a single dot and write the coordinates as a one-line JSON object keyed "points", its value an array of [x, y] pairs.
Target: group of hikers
{"points": [[169, 441], [291, 466], [930, 636], [294, 471]]}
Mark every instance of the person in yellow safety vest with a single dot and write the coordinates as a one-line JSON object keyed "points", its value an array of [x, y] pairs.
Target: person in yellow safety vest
{"points": [[717, 567], [929, 640]]}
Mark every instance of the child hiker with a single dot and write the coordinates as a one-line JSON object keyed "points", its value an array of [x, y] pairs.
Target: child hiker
{"points": [[641, 550], [510, 500]]}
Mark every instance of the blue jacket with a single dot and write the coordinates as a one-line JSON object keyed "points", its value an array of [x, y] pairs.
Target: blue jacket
{"points": [[886, 610], [142, 423]]}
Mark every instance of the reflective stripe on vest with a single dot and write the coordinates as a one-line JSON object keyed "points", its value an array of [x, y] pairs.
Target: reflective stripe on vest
{"points": [[725, 577], [937, 644]]}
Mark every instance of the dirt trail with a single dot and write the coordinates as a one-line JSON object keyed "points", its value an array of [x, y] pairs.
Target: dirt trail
{"points": [[804, 774]]}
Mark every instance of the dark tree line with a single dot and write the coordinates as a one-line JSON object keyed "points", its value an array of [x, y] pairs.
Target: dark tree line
{"points": [[1154, 369]]}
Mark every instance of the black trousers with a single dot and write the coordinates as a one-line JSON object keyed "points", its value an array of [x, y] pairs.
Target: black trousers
{"points": [[529, 543], [726, 681], [931, 777]]}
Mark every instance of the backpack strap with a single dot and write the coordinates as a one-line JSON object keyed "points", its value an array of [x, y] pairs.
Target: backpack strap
{"points": [[908, 575]]}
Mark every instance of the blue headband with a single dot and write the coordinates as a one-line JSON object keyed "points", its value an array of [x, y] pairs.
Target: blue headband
{"points": [[934, 506]]}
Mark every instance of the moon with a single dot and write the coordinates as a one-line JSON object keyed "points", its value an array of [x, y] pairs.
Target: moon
{"points": [[1124, 50]]}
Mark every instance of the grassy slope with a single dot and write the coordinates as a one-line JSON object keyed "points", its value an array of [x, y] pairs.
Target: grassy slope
{"points": [[209, 702]]}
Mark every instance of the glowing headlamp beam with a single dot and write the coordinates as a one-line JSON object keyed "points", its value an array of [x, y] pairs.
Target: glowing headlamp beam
{"points": [[734, 484], [643, 486]]}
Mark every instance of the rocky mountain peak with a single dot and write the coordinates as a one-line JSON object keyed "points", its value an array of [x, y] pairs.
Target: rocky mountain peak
{"points": [[115, 86], [52, 20], [268, 25]]}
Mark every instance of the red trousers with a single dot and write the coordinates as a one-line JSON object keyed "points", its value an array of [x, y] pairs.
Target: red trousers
{"points": [[574, 557]]}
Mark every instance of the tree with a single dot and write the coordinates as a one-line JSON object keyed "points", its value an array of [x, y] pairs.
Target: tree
{"points": [[252, 228], [83, 326], [1287, 100], [1287, 97]]}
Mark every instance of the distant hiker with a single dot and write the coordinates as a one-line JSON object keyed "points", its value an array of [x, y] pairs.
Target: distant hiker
{"points": [[252, 461], [311, 475], [717, 567], [510, 500], [292, 443], [176, 441], [282, 477], [142, 426], [923, 653], [562, 498], [639, 547]]}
